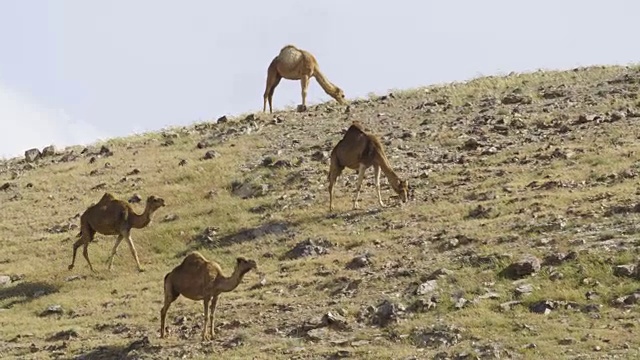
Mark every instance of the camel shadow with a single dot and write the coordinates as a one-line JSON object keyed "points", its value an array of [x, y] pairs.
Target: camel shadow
{"points": [[109, 352], [276, 227], [24, 292]]}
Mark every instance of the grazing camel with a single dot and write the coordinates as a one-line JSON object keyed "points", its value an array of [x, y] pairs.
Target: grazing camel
{"points": [[197, 278], [293, 63], [359, 150], [111, 216]]}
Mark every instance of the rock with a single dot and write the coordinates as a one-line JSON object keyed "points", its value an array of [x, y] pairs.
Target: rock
{"points": [[515, 98], [470, 144], [105, 151], [207, 236], [386, 313], [627, 270], [359, 262], [210, 154], [318, 334], [249, 188], [439, 274], [335, 320], [32, 155], [423, 305], [74, 278], [505, 306], [6, 186], [308, 247], [222, 119], [524, 289], [51, 310], [427, 287], [134, 199], [526, 266], [63, 335], [542, 307], [170, 217], [320, 156], [48, 151], [436, 336], [5, 280]]}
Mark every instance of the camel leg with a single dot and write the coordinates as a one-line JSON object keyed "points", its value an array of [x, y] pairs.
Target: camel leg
{"points": [[269, 91], [304, 84], [376, 174], [85, 253], [212, 314], [169, 297], [134, 253], [113, 251], [361, 170], [76, 245], [334, 172], [205, 333]]}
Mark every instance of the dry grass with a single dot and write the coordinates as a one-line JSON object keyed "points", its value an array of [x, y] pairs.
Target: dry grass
{"points": [[110, 310]]}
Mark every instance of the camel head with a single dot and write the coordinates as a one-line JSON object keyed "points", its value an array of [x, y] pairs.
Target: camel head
{"points": [[338, 95], [244, 265], [402, 189], [154, 203]]}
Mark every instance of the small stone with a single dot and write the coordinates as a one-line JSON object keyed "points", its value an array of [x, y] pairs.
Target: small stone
{"points": [[211, 154], [170, 217], [524, 289], [53, 309], [359, 262]]}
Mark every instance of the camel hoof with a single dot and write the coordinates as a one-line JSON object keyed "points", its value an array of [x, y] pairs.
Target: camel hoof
{"points": [[141, 270], [70, 267]]}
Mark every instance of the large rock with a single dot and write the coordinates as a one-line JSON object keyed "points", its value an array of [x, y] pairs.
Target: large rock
{"points": [[48, 151], [32, 155]]}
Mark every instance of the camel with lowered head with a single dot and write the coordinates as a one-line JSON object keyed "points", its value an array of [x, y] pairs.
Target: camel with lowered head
{"points": [[197, 278], [111, 216], [360, 150], [293, 63]]}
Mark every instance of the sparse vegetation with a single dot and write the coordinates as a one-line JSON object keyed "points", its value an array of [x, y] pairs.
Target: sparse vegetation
{"points": [[519, 239]]}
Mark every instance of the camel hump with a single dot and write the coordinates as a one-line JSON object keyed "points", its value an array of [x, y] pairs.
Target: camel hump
{"points": [[290, 55], [356, 125]]}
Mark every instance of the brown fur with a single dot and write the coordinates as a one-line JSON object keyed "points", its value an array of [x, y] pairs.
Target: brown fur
{"points": [[111, 216], [360, 150], [293, 63], [197, 278]]}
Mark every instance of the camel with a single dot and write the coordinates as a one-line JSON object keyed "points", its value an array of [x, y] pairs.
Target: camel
{"points": [[359, 150], [111, 216], [197, 278], [293, 63]]}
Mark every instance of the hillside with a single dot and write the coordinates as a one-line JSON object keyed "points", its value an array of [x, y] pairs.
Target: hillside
{"points": [[519, 240]]}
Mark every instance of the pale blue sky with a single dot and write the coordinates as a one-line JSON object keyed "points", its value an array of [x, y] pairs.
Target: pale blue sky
{"points": [[74, 71]]}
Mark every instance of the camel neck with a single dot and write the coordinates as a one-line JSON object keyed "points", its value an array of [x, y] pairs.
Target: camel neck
{"points": [[229, 283], [325, 84]]}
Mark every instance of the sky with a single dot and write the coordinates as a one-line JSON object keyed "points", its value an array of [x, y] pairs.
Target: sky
{"points": [[75, 71]]}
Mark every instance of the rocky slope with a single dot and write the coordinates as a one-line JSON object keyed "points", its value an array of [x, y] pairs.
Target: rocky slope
{"points": [[519, 240]]}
